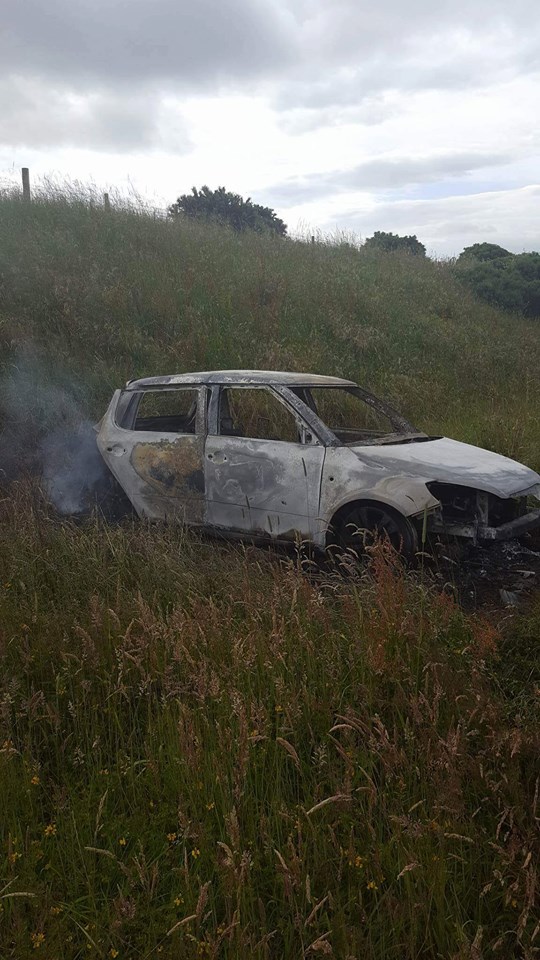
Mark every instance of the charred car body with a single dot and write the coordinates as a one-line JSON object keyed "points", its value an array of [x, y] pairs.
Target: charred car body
{"points": [[288, 456]]}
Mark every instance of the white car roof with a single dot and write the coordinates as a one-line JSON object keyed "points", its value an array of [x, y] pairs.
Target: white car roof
{"points": [[242, 377]]}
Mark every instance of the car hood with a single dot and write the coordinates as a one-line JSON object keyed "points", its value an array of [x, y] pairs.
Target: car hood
{"points": [[453, 462]]}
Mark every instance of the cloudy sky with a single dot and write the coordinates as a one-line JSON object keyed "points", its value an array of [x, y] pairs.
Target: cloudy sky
{"points": [[349, 115]]}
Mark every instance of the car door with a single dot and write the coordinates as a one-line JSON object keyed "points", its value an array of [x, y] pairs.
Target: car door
{"points": [[261, 476], [153, 443]]}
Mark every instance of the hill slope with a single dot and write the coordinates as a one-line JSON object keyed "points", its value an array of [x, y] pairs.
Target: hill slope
{"points": [[100, 298]]}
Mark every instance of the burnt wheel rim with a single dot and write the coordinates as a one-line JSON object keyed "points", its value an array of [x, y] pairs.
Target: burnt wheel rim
{"points": [[366, 524]]}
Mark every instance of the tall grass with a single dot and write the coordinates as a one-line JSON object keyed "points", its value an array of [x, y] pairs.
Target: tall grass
{"points": [[205, 752], [111, 296], [207, 755]]}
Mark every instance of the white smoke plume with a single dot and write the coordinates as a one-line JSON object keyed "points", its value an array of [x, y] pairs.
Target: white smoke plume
{"points": [[44, 432]]}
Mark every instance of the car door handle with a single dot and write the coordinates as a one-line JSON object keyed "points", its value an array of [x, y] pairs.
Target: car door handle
{"points": [[116, 449]]}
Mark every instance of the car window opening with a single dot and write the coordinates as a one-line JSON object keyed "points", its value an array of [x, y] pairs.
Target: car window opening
{"points": [[352, 417], [169, 411], [255, 414]]}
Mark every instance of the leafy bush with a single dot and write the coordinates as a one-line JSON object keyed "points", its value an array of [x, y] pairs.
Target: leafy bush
{"points": [[390, 242], [230, 208], [507, 280]]}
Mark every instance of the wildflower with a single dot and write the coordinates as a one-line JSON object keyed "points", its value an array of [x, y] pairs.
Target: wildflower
{"points": [[210, 806], [195, 853], [178, 901], [104, 772], [50, 830], [278, 708], [37, 939], [35, 781], [372, 885], [14, 856], [25, 627], [56, 910], [359, 862], [254, 733], [151, 804], [171, 837], [514, 903], [122, 841], [113, 952]]}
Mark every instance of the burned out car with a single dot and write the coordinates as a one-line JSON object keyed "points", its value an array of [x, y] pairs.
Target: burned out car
{"points": [[292, 456]]}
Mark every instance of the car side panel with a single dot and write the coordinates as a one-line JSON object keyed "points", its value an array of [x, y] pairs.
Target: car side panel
{"points": [[346, 478], [263, 487], [161, 473]]}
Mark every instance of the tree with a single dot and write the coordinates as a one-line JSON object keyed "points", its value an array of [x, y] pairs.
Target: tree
{"points": [[224, 207], [484, 251], [390, 242], [510, 281]]}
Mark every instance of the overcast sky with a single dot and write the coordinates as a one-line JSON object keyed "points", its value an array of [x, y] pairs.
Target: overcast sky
{"points": [[415, 117]]}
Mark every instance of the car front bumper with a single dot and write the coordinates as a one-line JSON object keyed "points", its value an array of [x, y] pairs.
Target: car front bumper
{"points": [[514, 528]]}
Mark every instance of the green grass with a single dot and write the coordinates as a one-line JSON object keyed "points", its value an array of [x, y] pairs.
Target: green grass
{"points": [[205, 752], [101, 298]]}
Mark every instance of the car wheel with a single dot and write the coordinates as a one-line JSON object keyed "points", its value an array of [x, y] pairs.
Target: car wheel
{"points": [[362, 524]]}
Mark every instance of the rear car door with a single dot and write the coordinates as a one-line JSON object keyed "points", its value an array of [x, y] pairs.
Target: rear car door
{"points": [[262, 467], [153, 443]]}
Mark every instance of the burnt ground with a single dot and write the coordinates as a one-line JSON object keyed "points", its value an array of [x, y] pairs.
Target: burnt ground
{"points": [[497, 575]]}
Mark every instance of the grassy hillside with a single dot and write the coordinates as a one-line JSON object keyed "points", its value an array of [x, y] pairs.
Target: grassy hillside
{"points": [[203, 751], [102, 298]]}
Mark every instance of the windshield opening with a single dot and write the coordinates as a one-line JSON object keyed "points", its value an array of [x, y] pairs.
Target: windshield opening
{"points": [[354, 416]]}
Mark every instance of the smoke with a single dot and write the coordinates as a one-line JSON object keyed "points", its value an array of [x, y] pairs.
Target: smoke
{"points": [[45, 432]]}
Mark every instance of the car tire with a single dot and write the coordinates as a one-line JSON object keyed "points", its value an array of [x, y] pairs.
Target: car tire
{"points": [[359, 525]]}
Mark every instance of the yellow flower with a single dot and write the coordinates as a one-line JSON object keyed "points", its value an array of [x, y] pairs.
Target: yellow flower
{"points": [[254, 733], [171, 837], [210, 806], [514, 903], [122, 841], [104, 772], [56, 910], [178, 901], [279, 709], [35, 781], [14, 856], [359, 862], [195, 853], [50, 830], [372, 885], [37, 939], [113, 953]]}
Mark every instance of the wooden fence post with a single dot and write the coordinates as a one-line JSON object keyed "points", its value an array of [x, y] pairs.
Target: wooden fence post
{"points": [[106, 201], [26, 183]]}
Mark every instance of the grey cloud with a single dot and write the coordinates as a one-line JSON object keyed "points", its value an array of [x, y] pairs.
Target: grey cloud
{"points": [[359, 51], [36, 115], [181, 42], [384, 173], [509, 217]]}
